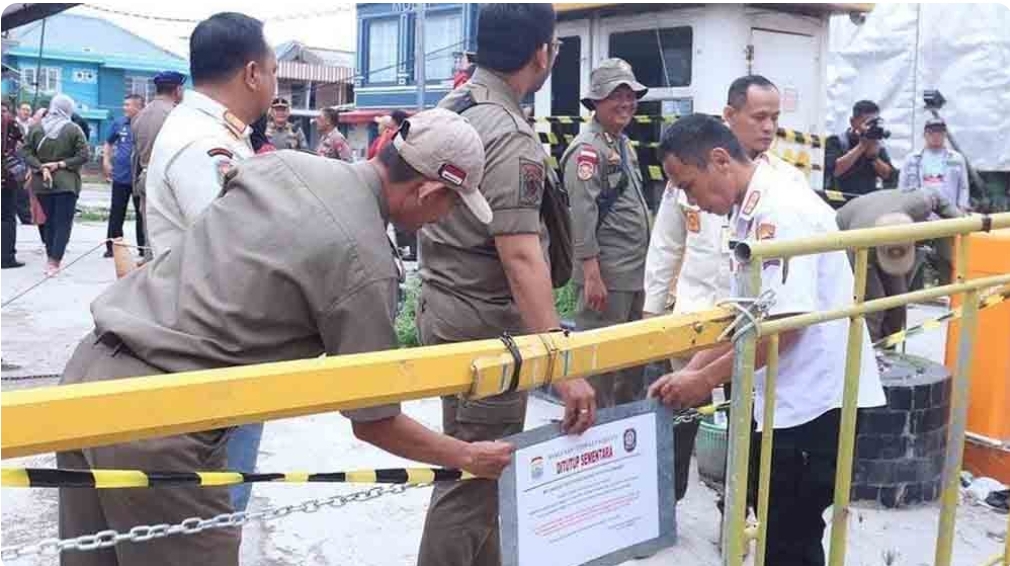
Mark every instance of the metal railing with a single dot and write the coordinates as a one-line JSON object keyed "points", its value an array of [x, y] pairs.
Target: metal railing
{"points": [[109, 412], [751, 255]]}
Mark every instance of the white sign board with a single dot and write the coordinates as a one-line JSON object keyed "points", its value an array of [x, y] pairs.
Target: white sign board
{"points": [[590, 499]]}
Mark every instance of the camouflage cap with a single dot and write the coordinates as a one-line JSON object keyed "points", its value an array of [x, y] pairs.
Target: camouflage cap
{"points": [[607, 76]]}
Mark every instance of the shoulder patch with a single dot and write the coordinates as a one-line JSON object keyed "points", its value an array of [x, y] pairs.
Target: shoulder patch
{"points": [[531, 182], [220, 152], [693, 220], [587, 160]]}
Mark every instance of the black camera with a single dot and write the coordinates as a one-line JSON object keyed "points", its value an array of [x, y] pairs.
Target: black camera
{"points": [[875, 129]]}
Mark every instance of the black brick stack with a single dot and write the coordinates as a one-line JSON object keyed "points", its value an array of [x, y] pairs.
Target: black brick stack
{"points": [[900, 448]]}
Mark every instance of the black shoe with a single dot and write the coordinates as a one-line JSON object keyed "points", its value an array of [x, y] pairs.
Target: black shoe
{"points": [[12, 264], [108, 253]]}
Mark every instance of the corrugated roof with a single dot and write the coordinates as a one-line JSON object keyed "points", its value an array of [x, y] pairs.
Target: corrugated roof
{"points": [[88, 38]]}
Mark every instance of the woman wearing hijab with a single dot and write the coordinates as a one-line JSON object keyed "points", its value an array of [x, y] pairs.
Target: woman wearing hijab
{"points": [[55, 150]]}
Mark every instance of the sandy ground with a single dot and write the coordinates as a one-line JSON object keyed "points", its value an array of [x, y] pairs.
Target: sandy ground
{"points": [[40, 330]]}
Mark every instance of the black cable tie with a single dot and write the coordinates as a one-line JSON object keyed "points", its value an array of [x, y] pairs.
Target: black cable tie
{"points": [[517, 360], [986, 223]]}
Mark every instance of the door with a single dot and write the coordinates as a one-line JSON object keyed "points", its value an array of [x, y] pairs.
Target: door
{"points": [[561, 93], [792, 62]]}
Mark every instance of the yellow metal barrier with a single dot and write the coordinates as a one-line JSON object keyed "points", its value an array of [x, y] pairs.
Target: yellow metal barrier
{"points": [[108, 412], [751, 254]]}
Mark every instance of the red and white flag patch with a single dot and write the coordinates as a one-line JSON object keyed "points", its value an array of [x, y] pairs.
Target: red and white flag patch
{"points": [[451, 173], [587, 160]]}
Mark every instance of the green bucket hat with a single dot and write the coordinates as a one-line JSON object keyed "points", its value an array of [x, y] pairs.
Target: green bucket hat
{"points": [[605, 78]]}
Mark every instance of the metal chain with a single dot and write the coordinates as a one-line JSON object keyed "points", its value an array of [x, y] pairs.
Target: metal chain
{"points": [[686, 417], [30, 377], [194, 525]]}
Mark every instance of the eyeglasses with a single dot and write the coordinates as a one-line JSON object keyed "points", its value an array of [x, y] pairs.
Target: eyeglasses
{"points": [[556, 44]]}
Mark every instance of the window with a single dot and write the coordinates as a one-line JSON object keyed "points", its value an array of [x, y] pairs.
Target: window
{"points": [[660, 57], [443, 35], [143, 86], [48, 79], [383, 43]]}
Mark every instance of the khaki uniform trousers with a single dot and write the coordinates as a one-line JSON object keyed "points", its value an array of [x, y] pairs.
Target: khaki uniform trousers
{"points": [[627, 385], [87, 511], [461, 528]]}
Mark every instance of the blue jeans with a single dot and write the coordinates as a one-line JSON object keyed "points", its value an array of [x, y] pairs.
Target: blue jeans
{"points": [[243, 449]]}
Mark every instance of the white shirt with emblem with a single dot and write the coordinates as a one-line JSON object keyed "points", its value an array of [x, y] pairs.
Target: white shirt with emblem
{"points": [[812, 372], [689, 253], [194, 149]]}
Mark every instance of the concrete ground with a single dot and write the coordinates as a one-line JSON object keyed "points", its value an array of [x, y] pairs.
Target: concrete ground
{"points": [[40, 330]]}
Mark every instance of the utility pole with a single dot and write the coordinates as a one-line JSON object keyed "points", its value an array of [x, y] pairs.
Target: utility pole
{"points": [[419, 58]]}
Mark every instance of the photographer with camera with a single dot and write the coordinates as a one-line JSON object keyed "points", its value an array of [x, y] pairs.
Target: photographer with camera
{"points": [[855, 160]]}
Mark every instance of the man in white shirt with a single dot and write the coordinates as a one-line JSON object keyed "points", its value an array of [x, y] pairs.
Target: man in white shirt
{"points": [[688, 261], [234, 73], [707, 162], [234, 79]]}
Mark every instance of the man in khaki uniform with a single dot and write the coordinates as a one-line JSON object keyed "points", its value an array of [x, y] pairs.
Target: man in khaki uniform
{"points": [[889, 266], [282, 133], [479, 281], [146, 125], [610, 218], [324, 281]]}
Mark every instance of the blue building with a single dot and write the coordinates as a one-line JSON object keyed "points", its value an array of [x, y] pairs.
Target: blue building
{"points": [[385, 64], [92, 60]]}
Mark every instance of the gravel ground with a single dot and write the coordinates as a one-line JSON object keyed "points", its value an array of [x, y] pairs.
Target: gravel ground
{"points": [[40, 330]]}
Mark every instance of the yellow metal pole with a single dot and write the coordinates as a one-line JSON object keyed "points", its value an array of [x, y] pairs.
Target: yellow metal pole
{"points": [[741, 410], [847, 428], [93, 414], [1006, 543], [869, 237], [767, 437], [779, 325], [958, 424]]}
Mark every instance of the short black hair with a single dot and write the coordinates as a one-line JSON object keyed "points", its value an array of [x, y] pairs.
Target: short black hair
{"points": [[737, 96], [224, 43], [508, 35], [864, 108], [691, 138], [165, 88], [136, 98], [398, 116], [399, 170]]}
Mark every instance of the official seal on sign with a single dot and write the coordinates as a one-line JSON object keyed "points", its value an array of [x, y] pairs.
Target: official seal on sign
{"points": [[630, 440]]}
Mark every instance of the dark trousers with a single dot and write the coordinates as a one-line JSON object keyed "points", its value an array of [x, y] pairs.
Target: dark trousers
{"points": [[802, 486], [9, 217], [60, 209], [121, 196], [24, 204]]}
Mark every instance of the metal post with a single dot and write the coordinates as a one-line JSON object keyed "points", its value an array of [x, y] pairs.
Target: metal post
{"points": [[735, 515], [847, 428], [38, 65], [1006, 543], [958, 424], [419, 58], [767, 435]]}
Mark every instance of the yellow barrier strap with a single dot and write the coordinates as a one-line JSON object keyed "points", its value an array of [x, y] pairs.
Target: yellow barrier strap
{"points": [[934, 323], [812, 140], [118, 479]]}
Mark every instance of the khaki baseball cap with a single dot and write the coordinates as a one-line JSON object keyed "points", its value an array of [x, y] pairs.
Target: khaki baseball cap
{"points": [[443, 146], [895, 259], [610, 74]]}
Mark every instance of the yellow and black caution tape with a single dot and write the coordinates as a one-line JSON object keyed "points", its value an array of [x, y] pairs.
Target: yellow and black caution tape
{"points": [[935, 323], [115, 479]]}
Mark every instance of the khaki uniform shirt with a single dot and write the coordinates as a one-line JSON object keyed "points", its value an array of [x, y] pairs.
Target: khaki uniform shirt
{"points": [[199, 143], [288, 137], [291, 262], [146, 126], [460, 267], [863, 211], [595, 161]]}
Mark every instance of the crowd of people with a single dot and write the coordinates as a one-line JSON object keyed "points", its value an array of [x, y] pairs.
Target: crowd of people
{"points": [[263, 253]]}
